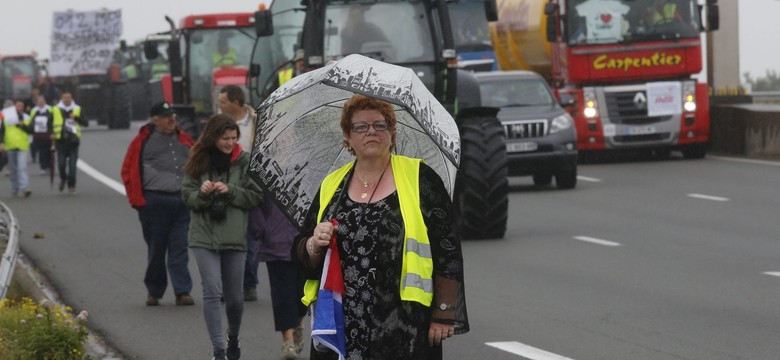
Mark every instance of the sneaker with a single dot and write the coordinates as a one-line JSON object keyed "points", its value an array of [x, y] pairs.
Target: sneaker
{"points": [[43, 172], [184, 299], [151, 300], [71, 190], [219, 354], [288, 351], [62, 185], [298, 338], [27, 193], [250, 294], [233, 348]]}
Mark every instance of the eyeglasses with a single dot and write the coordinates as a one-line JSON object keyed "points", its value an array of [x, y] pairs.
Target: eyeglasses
{"points": [[363, 127]]}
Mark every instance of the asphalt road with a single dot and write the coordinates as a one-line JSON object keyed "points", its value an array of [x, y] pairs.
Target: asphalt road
{"points": [[643, 260]]}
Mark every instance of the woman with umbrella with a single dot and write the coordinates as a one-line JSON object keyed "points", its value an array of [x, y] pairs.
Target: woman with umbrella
{"points": [[393, 244]]}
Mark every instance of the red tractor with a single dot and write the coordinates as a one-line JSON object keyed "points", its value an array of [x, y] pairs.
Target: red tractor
{"points": [[19, 74], [205, 54]]}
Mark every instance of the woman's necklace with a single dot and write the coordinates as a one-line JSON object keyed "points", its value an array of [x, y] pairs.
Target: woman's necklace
{"points": [[365, 182]]}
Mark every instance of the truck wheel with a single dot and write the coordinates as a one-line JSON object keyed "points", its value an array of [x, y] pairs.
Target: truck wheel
{"points": [[695, 151], [566, 179], [542, 179], [120, 107], [481, 186]]}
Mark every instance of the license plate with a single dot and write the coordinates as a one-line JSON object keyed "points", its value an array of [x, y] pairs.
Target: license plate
{"points": [[641, 130], [521, 146]]}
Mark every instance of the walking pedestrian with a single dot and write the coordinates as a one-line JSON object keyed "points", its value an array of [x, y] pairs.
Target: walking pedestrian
{"points": [[220, 194], [41, 116], [232, 102], [395, 247], [67, 123], [274, 234], [14, 140], [152, 176]]}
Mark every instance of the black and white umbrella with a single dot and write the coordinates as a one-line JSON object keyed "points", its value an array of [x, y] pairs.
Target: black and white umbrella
{"points": [[298, 139]]}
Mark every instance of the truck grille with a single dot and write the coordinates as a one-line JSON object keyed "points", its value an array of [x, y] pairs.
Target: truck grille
{"points": [[642, 138], [525, 129], [622, 109]]}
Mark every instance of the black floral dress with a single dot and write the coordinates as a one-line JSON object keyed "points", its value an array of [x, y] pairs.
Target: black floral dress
{"points": [[378, 324]]}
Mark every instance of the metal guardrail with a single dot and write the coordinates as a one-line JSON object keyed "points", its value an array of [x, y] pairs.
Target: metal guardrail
{"points": [[9, 231]]}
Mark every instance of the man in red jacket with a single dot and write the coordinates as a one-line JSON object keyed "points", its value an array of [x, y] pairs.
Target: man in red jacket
{"points": [[152, 175]]}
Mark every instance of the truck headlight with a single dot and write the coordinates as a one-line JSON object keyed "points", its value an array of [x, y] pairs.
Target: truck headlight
{"points": [[689, 97], [559, 123], [590, 105]]}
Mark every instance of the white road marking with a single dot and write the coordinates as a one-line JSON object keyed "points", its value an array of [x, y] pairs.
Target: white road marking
{"points": [[99, 176], [590, 179], [596, 241], [772, 273], [526, 351], [708, 197], [747, 161]]}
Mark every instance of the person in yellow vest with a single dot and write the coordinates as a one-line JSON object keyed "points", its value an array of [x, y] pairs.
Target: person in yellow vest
{"points": [[66, 126], [224, 56], [400, 257], [663, 12], [15, 141]]}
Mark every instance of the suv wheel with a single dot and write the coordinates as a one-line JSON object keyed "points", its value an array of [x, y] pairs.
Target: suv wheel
{"points": [[566, 179]]}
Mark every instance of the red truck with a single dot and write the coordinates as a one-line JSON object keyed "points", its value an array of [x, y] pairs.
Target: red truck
{"points": [[626, 70]]}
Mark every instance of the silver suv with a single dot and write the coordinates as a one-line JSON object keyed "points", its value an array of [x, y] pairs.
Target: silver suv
{"points": [[540, 135]]}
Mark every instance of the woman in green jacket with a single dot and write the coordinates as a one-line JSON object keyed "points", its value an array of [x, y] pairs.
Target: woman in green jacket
{"points": [[220, 194]]}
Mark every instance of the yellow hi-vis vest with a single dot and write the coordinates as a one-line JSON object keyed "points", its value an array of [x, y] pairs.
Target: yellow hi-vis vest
{"points": [[16, 138], [668, 15], [417, 263], [228, 59], [285, 76], [59, 120]]}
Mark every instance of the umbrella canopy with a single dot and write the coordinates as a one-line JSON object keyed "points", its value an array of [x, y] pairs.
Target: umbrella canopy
{"points": [[298, 138]]}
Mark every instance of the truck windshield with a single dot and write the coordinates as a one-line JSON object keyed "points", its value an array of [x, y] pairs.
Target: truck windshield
{"points": [[470, 26], [622, 21], [209, 50], [18, 66], [395, 32]]}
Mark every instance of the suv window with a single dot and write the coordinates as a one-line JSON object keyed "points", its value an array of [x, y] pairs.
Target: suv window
{"points": [[509, 92]]}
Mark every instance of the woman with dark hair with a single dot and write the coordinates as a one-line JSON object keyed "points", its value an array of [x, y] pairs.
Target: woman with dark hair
{"points": [[219, 195], [395, 246]]}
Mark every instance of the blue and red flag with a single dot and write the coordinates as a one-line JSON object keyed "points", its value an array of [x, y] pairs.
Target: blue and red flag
{"points": [[328, 323]]}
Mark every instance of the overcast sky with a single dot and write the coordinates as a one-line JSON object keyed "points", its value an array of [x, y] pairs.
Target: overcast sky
{"points": [[26, 26]]}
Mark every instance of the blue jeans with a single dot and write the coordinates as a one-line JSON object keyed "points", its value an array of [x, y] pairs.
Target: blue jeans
{"points": [[250, 267], [17, 164], [165, 221], [67, 155]]}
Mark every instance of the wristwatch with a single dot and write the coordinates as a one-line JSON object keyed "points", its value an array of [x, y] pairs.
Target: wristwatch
{"points": [[445, 306]]}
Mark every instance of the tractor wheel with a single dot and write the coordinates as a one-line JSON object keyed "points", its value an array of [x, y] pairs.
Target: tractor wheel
{"points": [[481, 186], [120, 107]]}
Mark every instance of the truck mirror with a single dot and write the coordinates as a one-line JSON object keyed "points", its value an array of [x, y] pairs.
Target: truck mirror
{"points": [[549, 9], [254, 70], [196, 38], [713, 17], [550, 28], [264, 25], [150, 50], [491, 10]]}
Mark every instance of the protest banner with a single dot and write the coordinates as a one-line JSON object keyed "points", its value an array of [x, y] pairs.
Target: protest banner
{"points": [[83, 42]]}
